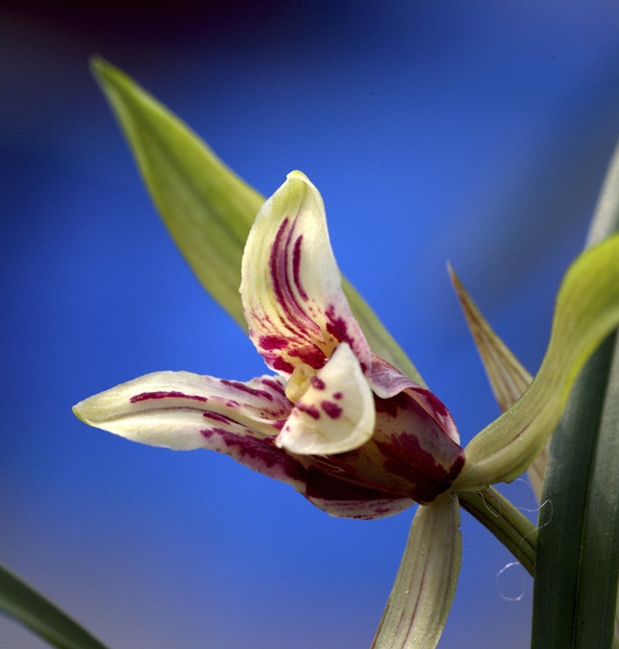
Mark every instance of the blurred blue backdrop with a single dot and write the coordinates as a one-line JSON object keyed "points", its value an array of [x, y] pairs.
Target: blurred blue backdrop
{"points": [[475, 132]]}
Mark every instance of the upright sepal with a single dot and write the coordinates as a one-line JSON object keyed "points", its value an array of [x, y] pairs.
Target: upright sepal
{"points": [[291, 286]]}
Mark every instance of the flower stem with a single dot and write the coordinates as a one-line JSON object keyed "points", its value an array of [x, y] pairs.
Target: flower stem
{"points": [[510, 526]]}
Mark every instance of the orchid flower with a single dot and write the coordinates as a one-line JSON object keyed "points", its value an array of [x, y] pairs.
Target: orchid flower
{"points": [[338, 421], [341, 425]]}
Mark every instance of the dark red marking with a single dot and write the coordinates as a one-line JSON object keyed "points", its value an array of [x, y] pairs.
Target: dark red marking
{"points": [[312, 411], [279, 364], [215, 416], [270, 342], [337, 326], [318, 383], [274, 385], [172, 394], [263, 394], [296, 265], [332, 409]]}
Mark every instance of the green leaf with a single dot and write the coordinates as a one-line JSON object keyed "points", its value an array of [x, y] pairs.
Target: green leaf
{"points": [[425, 585], [575, 594], [587, 310], [508, 378], [38, 614], [207, 209]]}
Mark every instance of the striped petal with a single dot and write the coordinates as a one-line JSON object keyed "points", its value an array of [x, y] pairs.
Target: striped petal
{"points": [[182, 411], [336, 411], [291, 286]]}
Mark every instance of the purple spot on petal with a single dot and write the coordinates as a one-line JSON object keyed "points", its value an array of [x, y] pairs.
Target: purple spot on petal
{"points": [[337, 326], [317, 383], [337, 395], [332, 409], [312, 411]]}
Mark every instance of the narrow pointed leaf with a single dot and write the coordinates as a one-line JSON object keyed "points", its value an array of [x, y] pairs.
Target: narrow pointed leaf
{"points": [[207, 209], [35, 612], [587, 310], [508, 378], [575, 595], [425, 585]]}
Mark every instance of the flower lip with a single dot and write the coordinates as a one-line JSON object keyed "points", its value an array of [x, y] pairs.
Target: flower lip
{"points": [[335, 413]]}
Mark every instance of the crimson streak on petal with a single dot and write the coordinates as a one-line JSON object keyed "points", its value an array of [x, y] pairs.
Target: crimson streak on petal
{"points": [[171, 394]]}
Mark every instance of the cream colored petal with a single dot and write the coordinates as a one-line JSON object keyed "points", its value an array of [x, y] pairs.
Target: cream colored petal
{"points": [[186, 411], [291, 285], [336, 413]]}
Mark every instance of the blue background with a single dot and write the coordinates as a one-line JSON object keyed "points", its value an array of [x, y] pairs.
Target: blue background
{"points": [[475, 132]]}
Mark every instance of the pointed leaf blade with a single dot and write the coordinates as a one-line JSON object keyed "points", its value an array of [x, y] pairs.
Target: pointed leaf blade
{"points": [[207, 209], [508, 378], [35, 612]]}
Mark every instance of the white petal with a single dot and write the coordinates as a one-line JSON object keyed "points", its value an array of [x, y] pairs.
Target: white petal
{"points": [[336, 413], [179, 410], [291, 286]]}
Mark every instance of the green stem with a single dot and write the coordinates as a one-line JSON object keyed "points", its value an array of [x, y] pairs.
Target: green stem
{"points": [[508, 524]]}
